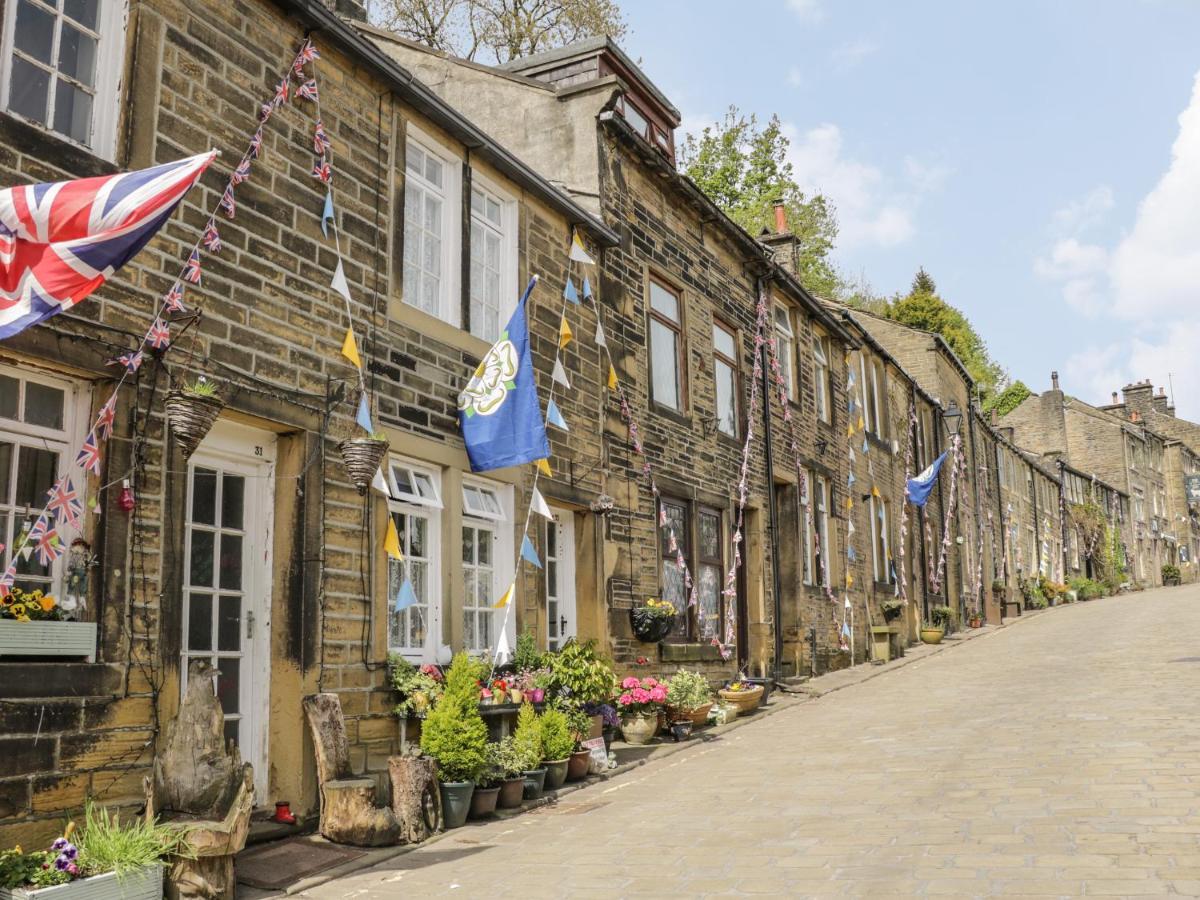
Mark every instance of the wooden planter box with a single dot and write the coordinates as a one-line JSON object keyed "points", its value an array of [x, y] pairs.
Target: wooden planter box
{"points": [[145, 884], [68, 639]]}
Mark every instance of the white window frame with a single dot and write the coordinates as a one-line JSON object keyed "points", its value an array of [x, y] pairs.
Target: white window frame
{"points": [[501, 526], [806, 494], [427, 506], [821, 392], [729, 363], [785, 348], [879, 517], [865, 394], [449, 303], [824, 501], [110, 59], [509, 285]]}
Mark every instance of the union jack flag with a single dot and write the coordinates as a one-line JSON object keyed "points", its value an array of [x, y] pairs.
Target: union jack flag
{"points": [[281, 91], [131, 361], [255, 149], [191, 272], [64, 502], [159, 335], [308, 90], [306, 55], [35, 533], [212, 238], [241, 173], [6, 580], [108, 415], [59, 242], [227, 202], [320, 139], [322, 170], [173, 299], [49, 547], [264, 111], [89, 455]]}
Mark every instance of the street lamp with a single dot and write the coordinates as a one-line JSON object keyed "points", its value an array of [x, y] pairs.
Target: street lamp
{"points": [[952, 418]]}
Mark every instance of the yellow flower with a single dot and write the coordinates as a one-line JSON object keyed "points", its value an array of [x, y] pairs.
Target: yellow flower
{"points": [[47, 603], [24, 619], [18, 609]]}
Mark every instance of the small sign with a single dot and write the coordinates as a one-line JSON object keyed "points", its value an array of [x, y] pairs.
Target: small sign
{"points": [[598, 760], [1191, 486]]}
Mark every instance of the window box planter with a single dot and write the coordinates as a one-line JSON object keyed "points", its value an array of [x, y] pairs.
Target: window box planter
{"points": [[144, 884], [66, 639]]}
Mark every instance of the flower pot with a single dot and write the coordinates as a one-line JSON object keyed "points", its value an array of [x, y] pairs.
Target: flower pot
{"points": [[742, 702], [556, 773], [660, 721], [191, 417], [483, 801], [577, 767], [535, 783], [517, 697], [638, 728], [456, 802], [65, 639], [930, 635], [697, 716], [650, 629], [361, 457], [536, 695], [681, 731], [597, 726], [768, 685], [144, 884], [512, 792]]}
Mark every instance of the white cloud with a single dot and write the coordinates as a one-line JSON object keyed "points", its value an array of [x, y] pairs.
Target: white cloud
{"points": [[1086, 212], [848, 55], [869, 210], [808, 11]]}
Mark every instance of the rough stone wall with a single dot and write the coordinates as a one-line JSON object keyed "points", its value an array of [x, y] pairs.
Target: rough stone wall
{"points": [[1039, 423]]}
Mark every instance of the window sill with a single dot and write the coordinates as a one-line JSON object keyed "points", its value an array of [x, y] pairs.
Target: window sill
{"points": [[674, 415], [442, 331], [689, 653]]}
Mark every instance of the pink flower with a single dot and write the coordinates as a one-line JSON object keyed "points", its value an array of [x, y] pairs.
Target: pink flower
{"points": [[649, 683], [640, 695], [630, 683], [658, 693], [624, 699]]}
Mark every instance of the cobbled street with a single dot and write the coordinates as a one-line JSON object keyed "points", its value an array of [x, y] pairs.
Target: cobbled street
{"points": [[1055, 757]]}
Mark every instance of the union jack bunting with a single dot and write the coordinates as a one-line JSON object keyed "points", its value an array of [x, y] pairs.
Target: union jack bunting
{"points": [[241, 173], [159, 335], [108, 415], [173, 299], [308, 90], [89, 455], [131, 361], [6, 580], [48, 547], [264, 111], [281, 91], [36, 532], [212, 238], [320, 139], [255, 149], [61, 241], [228, 204], [191, 272], [306, 54], [64, 502], [322, 170]]}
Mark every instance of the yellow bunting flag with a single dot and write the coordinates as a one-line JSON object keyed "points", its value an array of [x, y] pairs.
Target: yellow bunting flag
{"points": [[391, 542], [874, 491], [506, 597], [564, 333], [849, 431], [849, 581], [543, 466], [861, 423], [612, 378], [350, 348], [849, 503]]}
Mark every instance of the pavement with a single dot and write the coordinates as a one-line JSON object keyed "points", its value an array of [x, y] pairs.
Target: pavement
{"points": [[1053, 757]]}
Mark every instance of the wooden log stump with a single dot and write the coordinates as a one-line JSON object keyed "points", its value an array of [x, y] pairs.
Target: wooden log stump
{"points": [[415, 799]]}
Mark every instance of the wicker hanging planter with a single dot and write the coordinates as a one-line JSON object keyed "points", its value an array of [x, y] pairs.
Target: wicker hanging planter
{"points": [[362, 457], [191, 417]]}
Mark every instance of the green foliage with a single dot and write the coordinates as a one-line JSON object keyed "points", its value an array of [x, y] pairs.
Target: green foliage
{"points": [[108, 845], [18, 869], [527, 739], [527, 655], [579, 673], [557, 738], [1008, 399], [1170, 574], [941, 616], [923, 283], [454, 733], [1031, 591], [577, 720], [506, 761], [688, 690], [1087, 589], [417, 688], [744, 169], [201, 387]]}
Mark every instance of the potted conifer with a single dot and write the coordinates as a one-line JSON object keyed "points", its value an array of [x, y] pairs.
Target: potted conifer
{"points": [[510, 763], [527, 741], [455, 735], [557, 744]]}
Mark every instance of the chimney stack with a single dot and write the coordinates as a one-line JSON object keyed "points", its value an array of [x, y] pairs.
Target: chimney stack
{"points": [[781, 225], [1054, 380], [1114, 402]]}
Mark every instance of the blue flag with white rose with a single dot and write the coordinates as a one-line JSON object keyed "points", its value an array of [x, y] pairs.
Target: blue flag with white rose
{"points": [[498, 410], [918, 489]]}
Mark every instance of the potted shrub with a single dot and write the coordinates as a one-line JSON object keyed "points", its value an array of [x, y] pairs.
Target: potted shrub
{"points": [[362, 456], [33, 624], [527, 740], [487, 787], [1170, 574], [999, 590], [455, 735], [509, 763], [652, 622], [557, 744], [639, 703], [891, 610], [689, 698], [741, 695], [578, 673], [191, 412], [418, 689], [108, 860]]}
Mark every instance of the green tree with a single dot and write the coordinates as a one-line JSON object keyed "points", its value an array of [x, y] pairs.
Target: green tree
{"points": [[1008, 399], [744, 169], [923, 283], [454, 733]]}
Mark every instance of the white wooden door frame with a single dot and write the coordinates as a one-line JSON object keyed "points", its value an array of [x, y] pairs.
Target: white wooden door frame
{"points": [[564, 522]]}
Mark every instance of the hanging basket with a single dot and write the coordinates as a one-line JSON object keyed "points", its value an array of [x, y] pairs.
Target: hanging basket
{"points": [[191, 417], [648, 628], [362, 457]]}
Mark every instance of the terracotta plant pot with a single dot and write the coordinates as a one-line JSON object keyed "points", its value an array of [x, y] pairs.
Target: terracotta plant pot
{"points": [[697, 716], [931, 635], [191, 417], [362, 457], [556, 773], [577, 767], [483, 801], [456, 802], [742, 701], [512, 792], [535, 783], [639, 728], [597, 726]]}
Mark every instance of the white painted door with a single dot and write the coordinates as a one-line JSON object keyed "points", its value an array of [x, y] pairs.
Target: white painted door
{"points": [[560, 579], [227, 580]]}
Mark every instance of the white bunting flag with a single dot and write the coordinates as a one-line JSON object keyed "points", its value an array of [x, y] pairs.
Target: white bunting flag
{"points": [[540, 506], [600, 342], [560, 374], [339, 282], [380, 484]]}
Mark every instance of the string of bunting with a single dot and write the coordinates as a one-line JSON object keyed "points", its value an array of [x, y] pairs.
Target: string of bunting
{"points": [[63, 510]]}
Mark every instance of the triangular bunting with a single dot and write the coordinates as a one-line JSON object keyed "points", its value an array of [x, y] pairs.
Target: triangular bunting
{"points": [[405, 597], [600, 341], [587, 288], [554, 417], [506, 597], [391, 541], [570, 293], [540, 506], [612, 377], [528, 553], [543, 466], [339, 283], [327, 214], [363, 417], [564, 333], [380, 483], [578, 253], [560, 374], [350, 349]]}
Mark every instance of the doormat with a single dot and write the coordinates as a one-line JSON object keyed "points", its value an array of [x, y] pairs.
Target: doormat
{"points": [[280, 865]]}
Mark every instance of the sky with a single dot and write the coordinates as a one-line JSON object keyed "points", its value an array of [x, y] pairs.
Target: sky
{"points": [[1041, 160]]}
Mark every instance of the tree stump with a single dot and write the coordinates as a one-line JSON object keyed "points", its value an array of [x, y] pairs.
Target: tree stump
{"points": [[415, 798]]}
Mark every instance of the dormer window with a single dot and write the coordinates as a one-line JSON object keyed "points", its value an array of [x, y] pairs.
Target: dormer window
{"points": [[648, 129]]}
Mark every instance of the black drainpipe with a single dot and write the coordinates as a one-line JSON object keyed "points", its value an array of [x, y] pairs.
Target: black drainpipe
{"points": [[971, 410], [777, 672], [921, 519]]}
